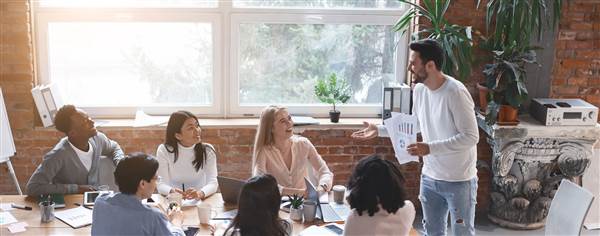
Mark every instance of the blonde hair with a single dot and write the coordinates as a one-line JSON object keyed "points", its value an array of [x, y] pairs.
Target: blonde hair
{"points": [[264, 131]]}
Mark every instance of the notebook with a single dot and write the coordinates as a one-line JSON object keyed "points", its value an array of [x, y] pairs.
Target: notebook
{"points": [[75, 217]]}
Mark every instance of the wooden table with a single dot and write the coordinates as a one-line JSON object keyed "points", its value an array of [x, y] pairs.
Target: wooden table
{"points": [[57, 227]]}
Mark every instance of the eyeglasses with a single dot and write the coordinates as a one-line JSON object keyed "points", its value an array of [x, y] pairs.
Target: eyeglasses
{"points": [[158, 178]]}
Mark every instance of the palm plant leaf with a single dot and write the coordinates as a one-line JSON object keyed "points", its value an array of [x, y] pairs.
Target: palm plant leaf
{"points": [[454, 39]]}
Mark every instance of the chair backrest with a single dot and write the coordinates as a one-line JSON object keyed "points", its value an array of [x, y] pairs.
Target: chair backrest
{"points": [[568, 209]]}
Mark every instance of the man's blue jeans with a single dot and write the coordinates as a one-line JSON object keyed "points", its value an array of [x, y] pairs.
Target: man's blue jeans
{"points": [[438, 197]]}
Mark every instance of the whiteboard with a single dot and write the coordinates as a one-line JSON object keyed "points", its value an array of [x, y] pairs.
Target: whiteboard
{"points": [[7, 145]]}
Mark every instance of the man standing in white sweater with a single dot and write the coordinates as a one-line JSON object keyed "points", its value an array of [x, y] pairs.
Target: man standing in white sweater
{"points": [[446, 116]]}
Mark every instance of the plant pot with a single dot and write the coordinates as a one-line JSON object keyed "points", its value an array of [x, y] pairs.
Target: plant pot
{"points": [[483, 93], [296, 213], [334, 116], [507, 115]]}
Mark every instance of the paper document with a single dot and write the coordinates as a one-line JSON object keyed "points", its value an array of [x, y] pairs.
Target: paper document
{"points": [[336, 229], [17, 227], [75, 217], [402, 129], [142, 119], [304, 120], [7, 218], [6, 206]]}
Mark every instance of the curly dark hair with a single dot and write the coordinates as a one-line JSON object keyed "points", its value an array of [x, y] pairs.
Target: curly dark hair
{"points": [[62, 119], [376, 181]]}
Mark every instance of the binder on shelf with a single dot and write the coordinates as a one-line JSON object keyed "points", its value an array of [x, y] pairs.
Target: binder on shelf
{"points": [[396, 99], [47, 100]]}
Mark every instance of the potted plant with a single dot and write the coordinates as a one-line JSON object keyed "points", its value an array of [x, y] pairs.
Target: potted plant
{"points": [[332, 91], [296, 207], [456, 40], [510, 28]]}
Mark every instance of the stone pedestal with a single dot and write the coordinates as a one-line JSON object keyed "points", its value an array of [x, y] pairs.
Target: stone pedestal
{"points": [[529, 161]]}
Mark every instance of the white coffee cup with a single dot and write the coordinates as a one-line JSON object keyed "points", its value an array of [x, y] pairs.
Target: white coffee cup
{"points": [[338, 193], [205, 212]]}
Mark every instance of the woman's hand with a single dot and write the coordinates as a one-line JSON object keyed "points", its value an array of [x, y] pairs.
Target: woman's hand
{"points": [[193, 194], [176, 190]]}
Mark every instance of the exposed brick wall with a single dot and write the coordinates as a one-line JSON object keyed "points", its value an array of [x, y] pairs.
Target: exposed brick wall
{"points": [[234, 145], [576, 71]]}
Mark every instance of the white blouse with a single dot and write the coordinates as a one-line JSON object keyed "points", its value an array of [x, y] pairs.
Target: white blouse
{"points": [[304, 155], [382, 222], [174, 174]]}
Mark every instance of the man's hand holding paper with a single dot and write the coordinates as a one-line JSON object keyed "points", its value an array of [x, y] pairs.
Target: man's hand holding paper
{"points": [[402, 129]]}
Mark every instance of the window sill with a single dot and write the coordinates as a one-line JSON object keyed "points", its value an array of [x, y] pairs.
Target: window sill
{"points": [[324, 123]]}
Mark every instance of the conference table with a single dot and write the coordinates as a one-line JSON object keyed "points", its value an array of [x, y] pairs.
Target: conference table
{"points": [[57, 227]]}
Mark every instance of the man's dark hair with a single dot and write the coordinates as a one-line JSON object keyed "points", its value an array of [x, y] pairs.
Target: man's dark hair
{"points": [[376, 181], [133, 168], [429, 50], [62, 119]]}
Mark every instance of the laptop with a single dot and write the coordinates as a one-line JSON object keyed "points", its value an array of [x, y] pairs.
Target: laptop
{"points": [[328, 212], [230, 189]]}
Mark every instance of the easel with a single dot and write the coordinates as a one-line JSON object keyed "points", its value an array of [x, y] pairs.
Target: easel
{"points": [[7, 145]]}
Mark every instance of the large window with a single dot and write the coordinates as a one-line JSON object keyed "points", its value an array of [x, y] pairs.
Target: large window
{"points": [[217, 58]]}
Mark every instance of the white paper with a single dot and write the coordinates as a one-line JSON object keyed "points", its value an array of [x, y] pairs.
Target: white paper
{"points": [[402, 129], [6, 206], [75, 217], [320, 230], [189, 202], [142, 119], [17, 227], [7, 218]]}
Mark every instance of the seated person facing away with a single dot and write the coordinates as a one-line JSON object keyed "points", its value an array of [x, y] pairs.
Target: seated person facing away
{"points": [[278, 152], [72, 166], [185, 161], [377, 199], [123, 213], [258, 210]]}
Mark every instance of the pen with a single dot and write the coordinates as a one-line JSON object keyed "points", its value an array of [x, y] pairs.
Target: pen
{"points": [[18, 206]]}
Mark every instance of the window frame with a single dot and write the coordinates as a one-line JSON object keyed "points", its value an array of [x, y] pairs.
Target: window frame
{"points": [[316, 17], [223, 19]]}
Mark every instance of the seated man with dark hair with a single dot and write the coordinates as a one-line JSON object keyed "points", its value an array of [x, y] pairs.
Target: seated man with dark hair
{"points": [[123, 213], [72, 166]]}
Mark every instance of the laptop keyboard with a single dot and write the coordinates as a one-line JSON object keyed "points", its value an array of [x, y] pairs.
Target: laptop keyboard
{"points": [[329, 215]]}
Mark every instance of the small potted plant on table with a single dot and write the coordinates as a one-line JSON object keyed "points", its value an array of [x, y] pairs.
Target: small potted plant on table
{"points": [[296, 207]]}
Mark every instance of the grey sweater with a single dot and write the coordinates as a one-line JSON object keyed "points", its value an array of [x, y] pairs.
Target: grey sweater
{"points": [[61, 170]]}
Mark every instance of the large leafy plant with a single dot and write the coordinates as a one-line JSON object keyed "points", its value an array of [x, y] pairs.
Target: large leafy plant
{"points": [[456, 40], [511, 26], [332, 90]]}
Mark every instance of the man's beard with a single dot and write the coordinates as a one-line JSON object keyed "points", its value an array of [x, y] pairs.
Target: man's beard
{"points": [[419, 77]]}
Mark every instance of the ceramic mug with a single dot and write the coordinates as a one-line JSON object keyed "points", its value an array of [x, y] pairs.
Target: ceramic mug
{"points": [[338, 193]]}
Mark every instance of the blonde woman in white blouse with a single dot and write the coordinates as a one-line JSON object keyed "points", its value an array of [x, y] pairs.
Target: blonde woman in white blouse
{"points": [[287, 157], [186, 165]]}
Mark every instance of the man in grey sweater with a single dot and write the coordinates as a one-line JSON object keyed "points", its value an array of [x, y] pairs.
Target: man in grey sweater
{"points": [[72, 166]]}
